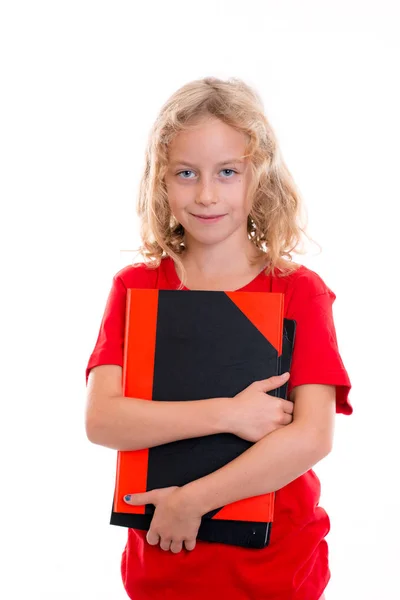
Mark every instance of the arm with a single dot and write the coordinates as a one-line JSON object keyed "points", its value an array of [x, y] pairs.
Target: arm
{"points": [[275, 460], [122, 423]]}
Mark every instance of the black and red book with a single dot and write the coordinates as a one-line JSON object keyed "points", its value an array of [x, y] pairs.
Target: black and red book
{"points": [[192, 345]]}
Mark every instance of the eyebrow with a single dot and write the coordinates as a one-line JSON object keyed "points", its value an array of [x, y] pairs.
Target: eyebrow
{"points": [[220, 164]]}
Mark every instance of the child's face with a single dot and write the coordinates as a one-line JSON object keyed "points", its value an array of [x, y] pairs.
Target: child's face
{"points": [[199, 185]]}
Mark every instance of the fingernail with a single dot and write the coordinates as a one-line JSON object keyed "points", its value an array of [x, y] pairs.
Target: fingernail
{"points": [[128, 497]]}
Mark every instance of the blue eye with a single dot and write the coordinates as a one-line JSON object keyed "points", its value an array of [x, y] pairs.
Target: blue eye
{"points": [[190, 171], [187, 171], [231, 170]]}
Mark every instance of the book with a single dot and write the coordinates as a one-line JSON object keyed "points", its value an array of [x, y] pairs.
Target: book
{"points": [[192, 345]]}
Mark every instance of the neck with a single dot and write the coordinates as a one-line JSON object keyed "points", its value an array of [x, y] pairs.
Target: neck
{"points": [[209, 261]]}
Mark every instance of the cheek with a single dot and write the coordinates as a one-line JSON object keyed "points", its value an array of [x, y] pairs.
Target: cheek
{"points": [[178, 198], [240, 204], [174, 202], [172, 206], [176, 208]]}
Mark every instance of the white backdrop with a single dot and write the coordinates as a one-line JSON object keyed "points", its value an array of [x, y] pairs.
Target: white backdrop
{"points": [[82, 82]]}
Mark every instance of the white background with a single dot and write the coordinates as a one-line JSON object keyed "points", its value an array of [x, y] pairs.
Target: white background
{"points": [[82, 82]]}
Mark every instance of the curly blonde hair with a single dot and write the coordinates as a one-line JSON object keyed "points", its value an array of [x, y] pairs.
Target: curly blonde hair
{"points": [[273, 223]]}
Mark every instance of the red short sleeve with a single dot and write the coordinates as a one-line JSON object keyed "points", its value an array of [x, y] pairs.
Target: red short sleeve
{"points": [[316, 357], [109, 347]]}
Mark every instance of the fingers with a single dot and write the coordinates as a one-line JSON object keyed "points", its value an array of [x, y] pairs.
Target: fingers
{"points": [[190, 544], [286, 419], [165, 544], [272, 383], [168, 544], [141, 498], [176, 547], [152, 538], [287, 406]]}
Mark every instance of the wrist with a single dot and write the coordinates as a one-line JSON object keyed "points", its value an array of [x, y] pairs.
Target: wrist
{"points": [[223, 415], [192, 498]]}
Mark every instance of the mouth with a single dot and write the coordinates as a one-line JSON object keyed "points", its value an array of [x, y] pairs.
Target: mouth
{"points": [[208, 218]]}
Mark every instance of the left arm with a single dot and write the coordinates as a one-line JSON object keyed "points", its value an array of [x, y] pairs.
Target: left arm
{"points": [[275, 460], [271, 463]]}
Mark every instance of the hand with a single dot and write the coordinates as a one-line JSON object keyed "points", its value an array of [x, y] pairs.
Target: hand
{"points": [[254, 414], [175, 521]]}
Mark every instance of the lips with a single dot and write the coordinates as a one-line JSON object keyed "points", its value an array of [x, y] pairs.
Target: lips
{"points": [[208, 216]]}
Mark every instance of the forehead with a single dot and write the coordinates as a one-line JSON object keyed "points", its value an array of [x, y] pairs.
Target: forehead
{"points": [[208, 141]]}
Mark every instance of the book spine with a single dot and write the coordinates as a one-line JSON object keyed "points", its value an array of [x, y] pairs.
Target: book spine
{"points": [[124, 383]]}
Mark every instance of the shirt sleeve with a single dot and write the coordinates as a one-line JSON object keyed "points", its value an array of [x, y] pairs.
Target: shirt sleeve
{"points": [[109, 347], [316, 357]]}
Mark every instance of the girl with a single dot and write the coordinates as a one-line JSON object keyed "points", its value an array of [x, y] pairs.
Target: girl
{"points": [[219, 211]]}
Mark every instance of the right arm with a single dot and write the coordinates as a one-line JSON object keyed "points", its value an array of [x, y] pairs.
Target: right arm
{"points": [[122, 423]]}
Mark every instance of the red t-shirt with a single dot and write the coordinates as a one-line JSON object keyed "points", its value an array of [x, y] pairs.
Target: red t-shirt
{"points": [[295, 564]]}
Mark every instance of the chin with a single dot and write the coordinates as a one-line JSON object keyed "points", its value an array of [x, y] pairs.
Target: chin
{"points": [[207, 240]]}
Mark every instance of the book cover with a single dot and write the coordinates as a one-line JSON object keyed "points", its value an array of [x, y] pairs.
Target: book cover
{"points": [[194, 345]]}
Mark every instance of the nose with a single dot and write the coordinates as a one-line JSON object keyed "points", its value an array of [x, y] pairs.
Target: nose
{"points": [[206, 193]]}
